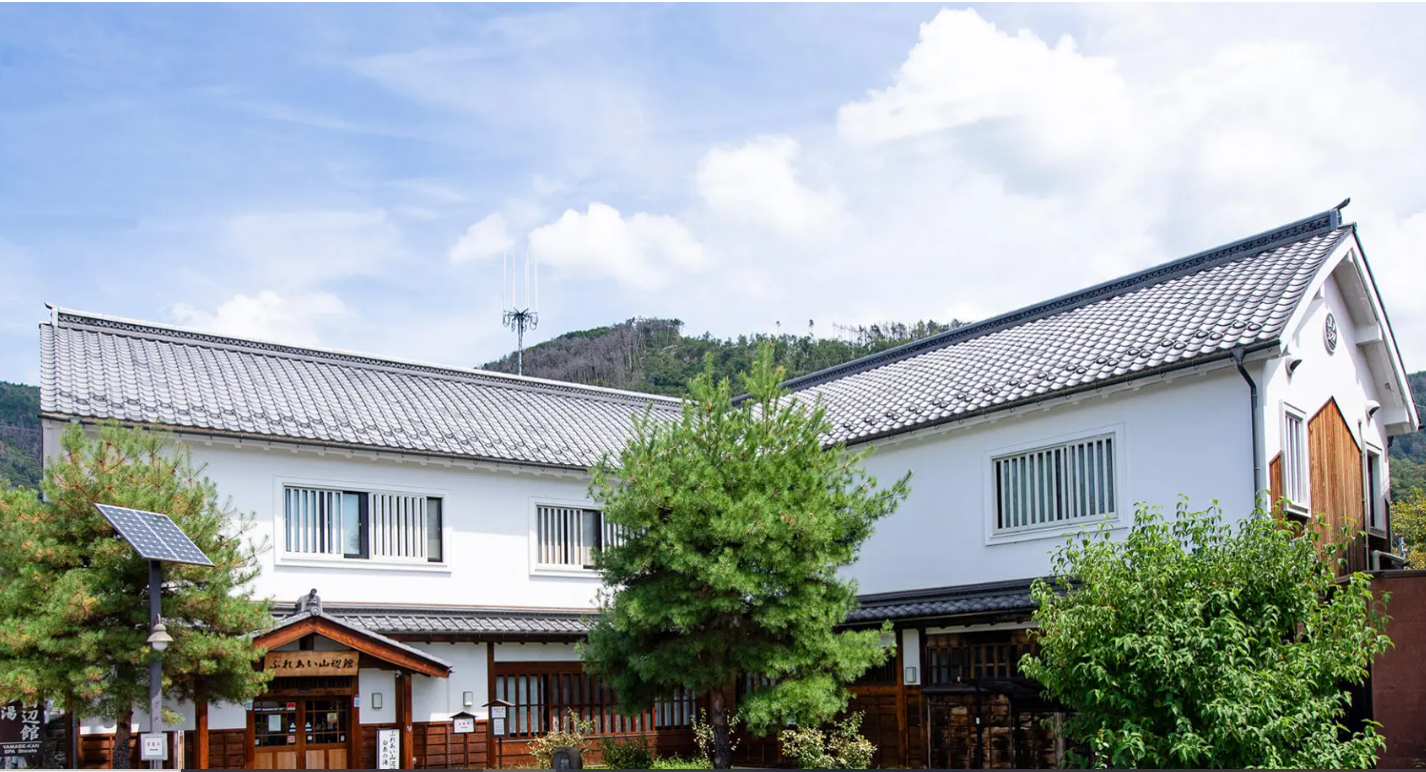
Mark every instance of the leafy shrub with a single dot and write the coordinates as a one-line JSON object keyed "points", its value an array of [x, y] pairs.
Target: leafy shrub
{"points": [[1192, 643], [841, 747], [677, 762], [572, 732], [627, 752]]}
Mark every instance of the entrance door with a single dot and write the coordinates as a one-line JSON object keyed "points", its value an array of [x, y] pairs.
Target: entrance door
{"points": [[301, 732]]}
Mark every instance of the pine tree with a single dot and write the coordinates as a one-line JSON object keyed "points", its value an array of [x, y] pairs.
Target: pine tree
{"points": [[735, 520], [74, 619]]}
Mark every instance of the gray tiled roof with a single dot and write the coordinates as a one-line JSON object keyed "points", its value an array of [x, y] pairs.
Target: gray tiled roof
{"points": [[474, 622], [300, 616], [99, 367], [1012, 597], [1194, 309]]}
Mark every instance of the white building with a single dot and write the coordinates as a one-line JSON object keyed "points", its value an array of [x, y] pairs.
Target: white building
{"points": [[443, 516]]}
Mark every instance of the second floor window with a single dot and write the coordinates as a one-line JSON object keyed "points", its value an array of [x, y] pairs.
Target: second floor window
{"points": [[1055, 484], [363, 525], [1296, 476], [569, 537]]}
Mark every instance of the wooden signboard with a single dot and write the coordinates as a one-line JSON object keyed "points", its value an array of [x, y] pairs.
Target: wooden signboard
{"points": [[388, 749], [311, 663]]}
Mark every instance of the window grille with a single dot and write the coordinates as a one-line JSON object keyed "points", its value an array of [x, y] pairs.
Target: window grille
{"points": [[545, 693], [351, 524], [570, 536], [1055, 484], [1296, 483]]}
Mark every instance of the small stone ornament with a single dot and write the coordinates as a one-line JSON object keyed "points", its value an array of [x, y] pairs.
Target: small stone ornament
{"points": [[567, 758]]}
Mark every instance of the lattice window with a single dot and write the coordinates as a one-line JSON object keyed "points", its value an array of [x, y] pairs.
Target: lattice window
{"points": [[545, 693], [953, 658], [1296, 475], [569, 537], [1055, 484], [354, 524]]}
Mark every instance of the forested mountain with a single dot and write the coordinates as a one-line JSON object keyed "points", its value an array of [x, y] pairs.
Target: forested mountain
{"points": [[19, 434], [653, 355], [1408, 452]]}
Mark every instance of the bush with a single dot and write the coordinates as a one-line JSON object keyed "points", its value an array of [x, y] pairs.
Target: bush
{"points": [[572, 734], [841, 747], [627, 752], [676, 762], [1192, 643]]}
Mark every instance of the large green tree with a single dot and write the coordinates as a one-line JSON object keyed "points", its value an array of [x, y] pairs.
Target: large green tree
{"points": [[74, 611], [1193, 644], [735, 521]]}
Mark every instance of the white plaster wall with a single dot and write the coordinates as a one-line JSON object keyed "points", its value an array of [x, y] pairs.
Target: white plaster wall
{"points": [[1342, 375], [435, 699], [1187, 436], [227, 715], [371, 681], [536, 652], [487, 529]]}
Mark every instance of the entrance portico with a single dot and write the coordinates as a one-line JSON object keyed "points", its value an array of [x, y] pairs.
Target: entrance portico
{"points": [[310, 717]]}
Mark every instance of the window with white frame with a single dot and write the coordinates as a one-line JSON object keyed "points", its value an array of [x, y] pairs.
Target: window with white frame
{"points": [[360, 525], [1376, 503], [1055, 484], [1296, 482], [569, 537]]}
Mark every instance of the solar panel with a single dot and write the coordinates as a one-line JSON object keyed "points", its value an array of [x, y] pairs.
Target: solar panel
{"points": [[153, 535]]}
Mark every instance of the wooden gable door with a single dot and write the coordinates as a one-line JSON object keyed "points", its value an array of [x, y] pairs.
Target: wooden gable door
{"points": [[301, 732]]}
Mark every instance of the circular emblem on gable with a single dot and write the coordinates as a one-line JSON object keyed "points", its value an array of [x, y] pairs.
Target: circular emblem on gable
{"points": [[1329, 333]]}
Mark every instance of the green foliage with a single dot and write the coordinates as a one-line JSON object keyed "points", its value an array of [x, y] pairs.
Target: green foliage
{"points": [[678, 762], [572, 732], [841, 747], [627, 752], [1192, 644], [653, 355], [74, 603], [1407, 476], [736, 520], [1408, 521], [20, 463]]}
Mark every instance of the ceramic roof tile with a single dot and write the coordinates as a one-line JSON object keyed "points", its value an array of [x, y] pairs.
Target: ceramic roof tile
{"points": [[493, 622], [1197, 308], [98, 367], [1012, 597]]}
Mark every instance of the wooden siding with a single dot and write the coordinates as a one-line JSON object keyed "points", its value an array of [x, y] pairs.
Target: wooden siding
{"points": [[1336, 469]]}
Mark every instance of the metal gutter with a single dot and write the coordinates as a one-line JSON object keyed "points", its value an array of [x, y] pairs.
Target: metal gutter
{"points": [[1256, 442]]}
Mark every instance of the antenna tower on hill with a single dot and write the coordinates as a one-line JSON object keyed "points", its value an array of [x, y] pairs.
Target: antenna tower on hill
{"points": [[519, 318]]}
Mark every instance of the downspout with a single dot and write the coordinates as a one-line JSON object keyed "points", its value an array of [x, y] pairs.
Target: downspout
{"points": [[1252, 423]]}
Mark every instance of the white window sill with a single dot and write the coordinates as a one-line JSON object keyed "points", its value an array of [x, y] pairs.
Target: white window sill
{"points": [[567, 571], [1055, 531], [1297, 510], [364, 565]]}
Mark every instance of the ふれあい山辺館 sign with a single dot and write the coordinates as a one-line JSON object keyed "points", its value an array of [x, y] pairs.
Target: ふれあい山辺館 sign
{"points": [[311, 663]]}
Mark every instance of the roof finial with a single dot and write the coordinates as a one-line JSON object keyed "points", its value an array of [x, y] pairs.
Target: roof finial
{"points": [[1343, 205]]}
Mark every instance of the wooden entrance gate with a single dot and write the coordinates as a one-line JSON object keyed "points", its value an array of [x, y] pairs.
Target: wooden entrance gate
{"points": [[292, 727]]}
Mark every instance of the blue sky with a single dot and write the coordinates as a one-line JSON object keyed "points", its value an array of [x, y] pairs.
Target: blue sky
{"points": [[349, 176]]}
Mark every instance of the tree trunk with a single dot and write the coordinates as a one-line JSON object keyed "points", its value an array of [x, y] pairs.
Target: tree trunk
{"points": [[119, 754], [722, 738]]}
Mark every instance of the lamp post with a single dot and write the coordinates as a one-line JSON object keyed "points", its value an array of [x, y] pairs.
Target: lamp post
{"points": [[155, 538], [159, 640]]}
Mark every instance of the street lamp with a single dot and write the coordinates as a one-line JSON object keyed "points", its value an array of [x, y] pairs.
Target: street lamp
{"points": [[159, 638], [156, 539]]}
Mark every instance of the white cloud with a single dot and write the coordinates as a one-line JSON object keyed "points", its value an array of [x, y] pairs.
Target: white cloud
{"points": [[485, 239], [300, 249], [1053, 103], [757, 183], [293, 319], [642, 251]]}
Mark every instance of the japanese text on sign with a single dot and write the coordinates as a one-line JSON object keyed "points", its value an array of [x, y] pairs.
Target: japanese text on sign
{"points": [[311, 663], [20, 729]]}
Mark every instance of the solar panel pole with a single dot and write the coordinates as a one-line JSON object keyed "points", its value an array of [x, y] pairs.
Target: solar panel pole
{"points": [[155, 664]]}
